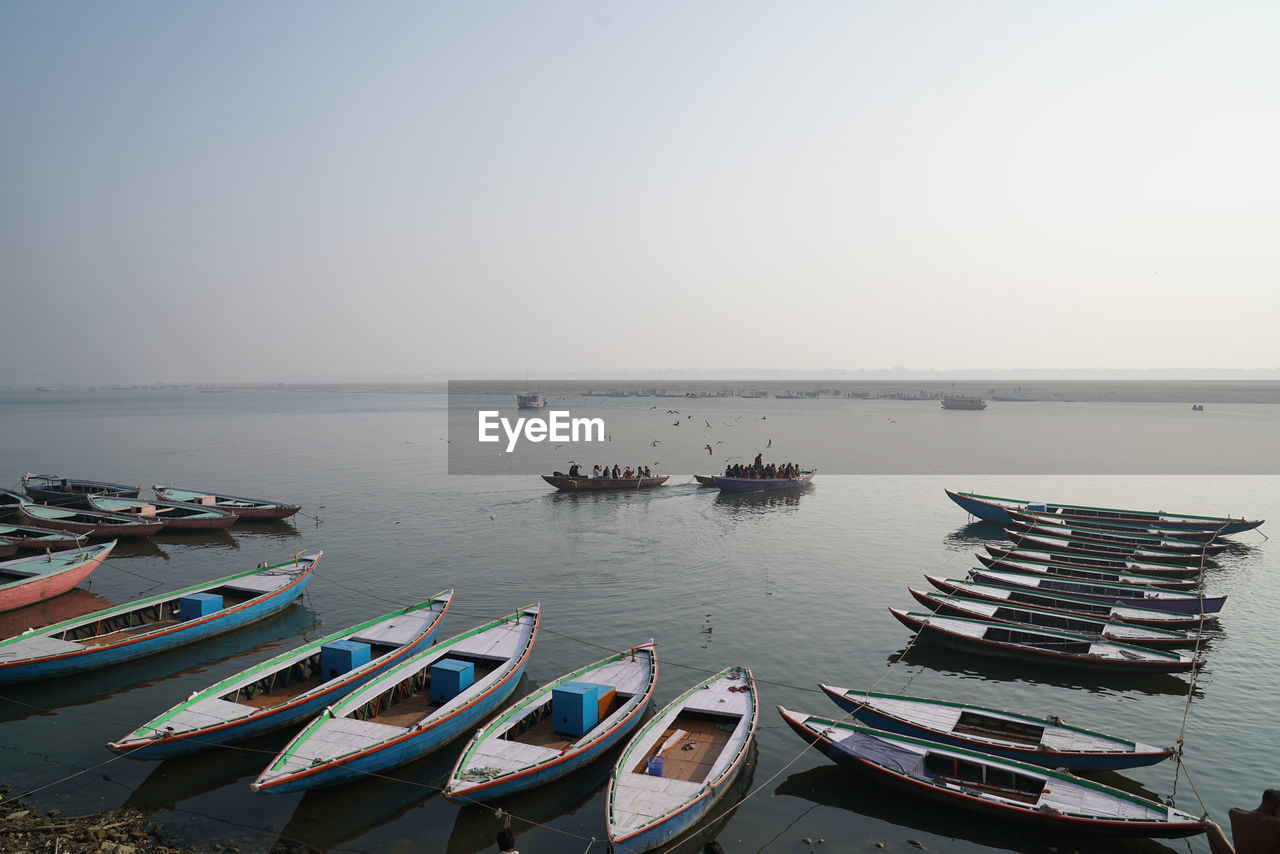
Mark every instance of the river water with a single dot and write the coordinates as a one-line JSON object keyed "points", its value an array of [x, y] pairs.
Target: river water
{"points": [[796, 587]]}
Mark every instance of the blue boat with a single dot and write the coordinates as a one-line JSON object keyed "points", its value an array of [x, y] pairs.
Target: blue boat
{"points": [[1042, 741], [155, 624], [557, 729], [763, 484], [991, 508], [682, 762], [412, 709], [290, 688]]}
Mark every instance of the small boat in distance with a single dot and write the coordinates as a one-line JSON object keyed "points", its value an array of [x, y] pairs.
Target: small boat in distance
{"points": [[155, 624], [681, 762], [70, 492], [531, 400], [961, 402], [1041, 741], [244, 508], [1006, 788], [585, 484], [174, 514], [290, 688], [33, 579]]}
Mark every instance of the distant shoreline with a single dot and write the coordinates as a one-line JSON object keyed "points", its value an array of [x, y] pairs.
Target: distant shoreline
{"points": [[1190, 392]]}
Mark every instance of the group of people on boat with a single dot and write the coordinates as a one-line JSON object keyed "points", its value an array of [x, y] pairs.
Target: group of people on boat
{"points": [[759, 471], [614, 473]]}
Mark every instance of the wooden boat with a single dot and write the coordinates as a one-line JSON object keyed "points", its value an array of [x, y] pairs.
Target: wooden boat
{"points": [[994, 509], [704, 480], [522, 747], [1086, 573], [89, 523], [70, 492], [763, 484], [1114, 536], [10, 502], [243, 508], [28, 580], [409, 710], [1041, 741], [682, 761], [43, 539], [963, 403], [1042, 646], [1067, 603], [1095, 527], [1110, 564], [1023, 615], [173, 514], [582, 484], [1146, 597], [155, 624], [1054, 800], [7, 547], [1031, 541], [289, 688]]}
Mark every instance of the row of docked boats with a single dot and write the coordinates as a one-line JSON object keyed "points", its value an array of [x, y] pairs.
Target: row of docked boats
{"points": [[53, 511]]}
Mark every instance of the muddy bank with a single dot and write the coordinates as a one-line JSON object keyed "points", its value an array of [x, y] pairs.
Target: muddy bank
{"points": [[25, 829]]}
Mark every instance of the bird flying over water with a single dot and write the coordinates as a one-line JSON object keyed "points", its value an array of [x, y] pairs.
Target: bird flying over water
{"points": [[770, 445], [708, 447]]}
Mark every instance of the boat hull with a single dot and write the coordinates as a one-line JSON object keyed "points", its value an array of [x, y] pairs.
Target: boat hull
{"points": [[993, 509], [1169, 601], [110, 526], [750, 484], [41, 587], [587, 484]]}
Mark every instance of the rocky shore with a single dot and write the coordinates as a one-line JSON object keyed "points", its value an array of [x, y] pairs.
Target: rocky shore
{"points": [[27, 830]]}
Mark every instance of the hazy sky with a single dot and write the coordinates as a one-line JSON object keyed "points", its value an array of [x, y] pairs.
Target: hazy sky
{"points": [[277, 190]]}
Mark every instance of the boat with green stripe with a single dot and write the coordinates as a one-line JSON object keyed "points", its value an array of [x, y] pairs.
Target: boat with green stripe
{"points": [[289, 688], [992, 508]]}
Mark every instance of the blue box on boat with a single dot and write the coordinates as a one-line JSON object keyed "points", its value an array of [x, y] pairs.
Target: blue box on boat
{"points": [[575, 707], [193, 606], [449, 678], [337, 657], [655, 766]]}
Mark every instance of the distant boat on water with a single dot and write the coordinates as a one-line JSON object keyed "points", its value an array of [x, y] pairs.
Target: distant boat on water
{"points": [[530, 401], [970, 403], [46, 388]]}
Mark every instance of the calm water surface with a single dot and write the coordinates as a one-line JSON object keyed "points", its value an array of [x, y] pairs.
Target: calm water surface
{"points": [[796, 587]]}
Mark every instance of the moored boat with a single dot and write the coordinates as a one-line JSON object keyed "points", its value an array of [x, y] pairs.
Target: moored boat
{"points": [[950, 605], [763, 484], [33, 579], [42, 539], [1086, 573], [1033, 541], [1042, 646], [557, 729], [245, 508], [1122, 536], [172, 514], [1095, 527], [410, 710], [71, 492], [288, 688], [7, 547], [1145, 597], [1041, 741], [1055, 800], [963, 403], [10, 502], [1113, 564], [154, 624], [681, 762], [1068, 603], [89, 523], [532, 400], [995, 509], [584, 484]]}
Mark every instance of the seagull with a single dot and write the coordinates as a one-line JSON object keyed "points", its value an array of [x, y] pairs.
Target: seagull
{"points": [[655, 406], [675, 424], [708, 447], [655, 443], [708, 423], [673, 411], [770, 445]]}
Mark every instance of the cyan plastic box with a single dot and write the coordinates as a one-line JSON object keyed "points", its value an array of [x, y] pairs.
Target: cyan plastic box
{"points": [[449, 678], [575, 707], [193, 606], [338, 657]]}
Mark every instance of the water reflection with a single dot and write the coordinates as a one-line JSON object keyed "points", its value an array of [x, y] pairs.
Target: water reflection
{"points": [[943, 660], [181, 778], [33, 698], [746, 504], [265, 529], [835, 787], [135, 547], [974, 535], [326, 818], [76, 602], [197, 539]]}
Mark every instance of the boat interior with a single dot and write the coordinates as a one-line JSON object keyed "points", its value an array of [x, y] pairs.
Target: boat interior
{"points": [[690, 745], [409, 700], [288, 682], [987, 726], [536, 727], [1012, 635], [988, 779], [154, 616], [1051, 621]]}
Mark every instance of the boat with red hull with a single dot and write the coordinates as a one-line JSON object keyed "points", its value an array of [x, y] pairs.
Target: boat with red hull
{"points": [[70, 491], [586, 484], [89, 523], [28, 580], [243, 508]]}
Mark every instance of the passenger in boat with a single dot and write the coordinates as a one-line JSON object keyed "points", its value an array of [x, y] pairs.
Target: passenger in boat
{"points": [[506, 842], [617, 473], [628, 474], [1256, 831], [574, 470], [595, 472]]}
